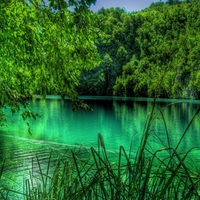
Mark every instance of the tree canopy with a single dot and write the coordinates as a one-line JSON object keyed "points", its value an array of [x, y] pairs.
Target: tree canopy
{"points": [[44, 45], [154, 52]]}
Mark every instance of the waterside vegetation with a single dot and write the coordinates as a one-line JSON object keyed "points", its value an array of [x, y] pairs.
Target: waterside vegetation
{"points": [[47, 49], [96, 173]]}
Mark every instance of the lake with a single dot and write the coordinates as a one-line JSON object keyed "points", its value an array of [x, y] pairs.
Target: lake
{"points": [[121, 121]]}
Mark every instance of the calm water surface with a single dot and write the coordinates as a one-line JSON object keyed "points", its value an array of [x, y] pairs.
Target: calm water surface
{"points": [[121, 121]]}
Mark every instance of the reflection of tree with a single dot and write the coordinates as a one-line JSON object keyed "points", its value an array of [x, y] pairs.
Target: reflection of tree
{"points": [[118, 121], [55, 120], [133, 116], [177, 117]]}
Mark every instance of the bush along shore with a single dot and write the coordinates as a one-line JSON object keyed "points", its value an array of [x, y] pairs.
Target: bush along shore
{"points": [[94, 174]]}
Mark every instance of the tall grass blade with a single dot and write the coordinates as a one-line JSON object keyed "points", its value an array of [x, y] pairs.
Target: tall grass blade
{"points": [[188, 126], [165, 126], [40, 170], [48, 167], [2, 167], [79, 174]]}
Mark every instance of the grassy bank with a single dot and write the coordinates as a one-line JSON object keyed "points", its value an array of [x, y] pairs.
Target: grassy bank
{"points": [[94, 174]]}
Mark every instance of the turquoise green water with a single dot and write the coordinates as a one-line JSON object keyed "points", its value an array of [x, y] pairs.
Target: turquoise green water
{"points": [[120, 121]]}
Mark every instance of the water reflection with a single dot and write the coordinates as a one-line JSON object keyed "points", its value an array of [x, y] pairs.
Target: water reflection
{"points": [[177, 116], [120, 122]]}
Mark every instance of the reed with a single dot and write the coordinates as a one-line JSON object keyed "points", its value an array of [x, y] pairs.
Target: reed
{"points": [[146, 175], [1, 168]]}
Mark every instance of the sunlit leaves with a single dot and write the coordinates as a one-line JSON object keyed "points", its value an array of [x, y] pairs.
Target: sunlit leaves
{"points": [[53, 46], [43, 48], [62, 4]]}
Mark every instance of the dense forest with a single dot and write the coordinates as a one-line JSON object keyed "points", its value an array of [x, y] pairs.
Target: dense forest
{"points": [[48, 48], [151, 53]]}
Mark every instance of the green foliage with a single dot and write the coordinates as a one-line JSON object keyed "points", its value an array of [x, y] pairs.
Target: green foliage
{"points": [[43, 50], [167, 63], [110, 44], [164, 41]]}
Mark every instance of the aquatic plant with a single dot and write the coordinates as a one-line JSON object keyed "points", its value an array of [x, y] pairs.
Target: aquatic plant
{"points": [[99, 174]]}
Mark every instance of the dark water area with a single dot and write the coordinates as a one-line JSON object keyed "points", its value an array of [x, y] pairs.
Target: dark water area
{"points": [[121, 121]]}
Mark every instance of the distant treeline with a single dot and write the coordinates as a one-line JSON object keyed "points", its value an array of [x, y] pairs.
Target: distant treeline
{"points": [[151, 53]]}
